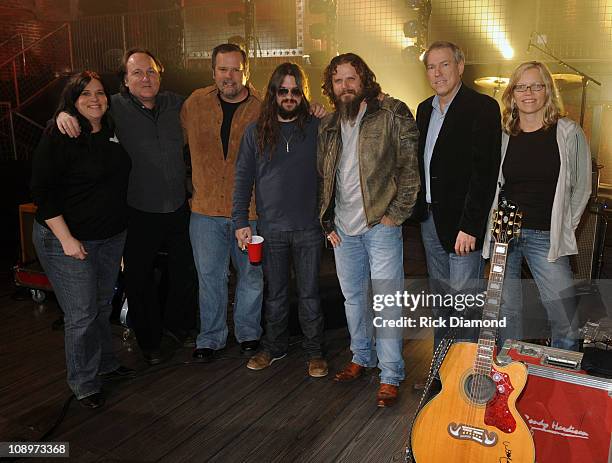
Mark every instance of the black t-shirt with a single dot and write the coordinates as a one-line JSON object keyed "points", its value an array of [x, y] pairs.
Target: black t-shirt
{"points": [[85, 180], [228, 113], [531, 170]]}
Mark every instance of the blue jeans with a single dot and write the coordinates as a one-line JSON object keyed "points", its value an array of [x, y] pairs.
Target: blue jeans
{"points": [[555, 285], [449, 273], [214, 243], [84, 290], [375, 255], [304, 248]]}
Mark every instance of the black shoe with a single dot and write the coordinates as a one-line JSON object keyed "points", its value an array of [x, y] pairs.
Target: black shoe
{"points": [[93, 401], [156, 356], [205, 354], [120, 372], [249, 347]]}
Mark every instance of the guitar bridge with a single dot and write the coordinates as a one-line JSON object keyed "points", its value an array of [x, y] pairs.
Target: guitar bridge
{"points": [[478, 435]]}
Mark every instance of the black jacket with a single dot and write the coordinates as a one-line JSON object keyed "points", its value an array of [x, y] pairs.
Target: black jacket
{"points": [[464, 165]]}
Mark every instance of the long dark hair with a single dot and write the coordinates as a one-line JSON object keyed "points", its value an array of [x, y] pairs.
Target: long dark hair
{"points": [[267, 123], [71, 93], [371, 88]]}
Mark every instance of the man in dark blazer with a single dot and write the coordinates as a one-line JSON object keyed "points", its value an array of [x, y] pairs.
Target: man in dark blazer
{"points": [[459, 155]]}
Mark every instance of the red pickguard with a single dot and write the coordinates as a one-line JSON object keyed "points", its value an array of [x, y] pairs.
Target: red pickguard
{"points": [[497, 412]]}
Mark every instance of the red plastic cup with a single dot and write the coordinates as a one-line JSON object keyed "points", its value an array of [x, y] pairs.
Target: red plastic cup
{"points": [[255, 248]]}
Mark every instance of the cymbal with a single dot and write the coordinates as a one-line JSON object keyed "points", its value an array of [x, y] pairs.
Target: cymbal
{"points": [[567, 80], [492, 82]]}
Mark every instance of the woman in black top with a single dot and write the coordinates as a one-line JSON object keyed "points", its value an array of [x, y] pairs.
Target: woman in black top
{"points": [[546, 171], [80, 188]]}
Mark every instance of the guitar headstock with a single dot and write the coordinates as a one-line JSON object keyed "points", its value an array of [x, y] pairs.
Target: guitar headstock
{"points": [[506, 221]]}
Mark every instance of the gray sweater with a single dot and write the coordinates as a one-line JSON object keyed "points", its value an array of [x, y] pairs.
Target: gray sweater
{"points": [[572, 191]]}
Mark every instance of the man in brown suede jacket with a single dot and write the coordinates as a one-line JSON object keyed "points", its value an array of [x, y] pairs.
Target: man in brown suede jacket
{"points": [[214, 119]]}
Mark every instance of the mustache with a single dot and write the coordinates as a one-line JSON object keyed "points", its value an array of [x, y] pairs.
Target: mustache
{"points": [[289, 100], [349, 92], [229, 82]]}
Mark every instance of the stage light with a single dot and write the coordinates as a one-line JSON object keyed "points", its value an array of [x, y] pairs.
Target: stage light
{"points": [[411, 28], [507, 51]]}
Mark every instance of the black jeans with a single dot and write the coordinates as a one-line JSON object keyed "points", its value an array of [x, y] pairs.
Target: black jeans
{"points": [[304, 246], [148, 234]]}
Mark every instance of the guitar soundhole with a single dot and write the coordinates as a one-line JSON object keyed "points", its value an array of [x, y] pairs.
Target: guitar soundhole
{"points": [[479, 388]]}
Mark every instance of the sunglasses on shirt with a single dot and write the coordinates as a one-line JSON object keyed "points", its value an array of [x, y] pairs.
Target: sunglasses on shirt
{"points": [[285, 91]]}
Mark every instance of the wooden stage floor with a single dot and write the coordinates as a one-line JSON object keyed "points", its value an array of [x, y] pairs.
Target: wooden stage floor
{"points": [[181, 411], [221, 412]]}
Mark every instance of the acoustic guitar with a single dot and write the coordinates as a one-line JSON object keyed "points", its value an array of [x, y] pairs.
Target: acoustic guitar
{"points": [[474, 417]]}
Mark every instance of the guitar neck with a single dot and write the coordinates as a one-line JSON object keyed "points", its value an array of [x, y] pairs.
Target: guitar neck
{"points": [[490, 312]]}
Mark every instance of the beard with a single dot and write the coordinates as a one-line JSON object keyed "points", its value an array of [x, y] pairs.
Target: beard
{"points": [[290, 113], [230, 89], [349, 109]]}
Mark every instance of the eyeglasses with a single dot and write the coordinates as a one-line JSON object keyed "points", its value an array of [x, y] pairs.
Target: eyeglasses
{"points": [[285, 91], [533, 87]]}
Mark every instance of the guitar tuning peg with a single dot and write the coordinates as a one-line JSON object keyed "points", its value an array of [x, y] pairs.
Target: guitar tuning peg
{"points": [[509, 232], [510, 222], [511, 214], [519, 215]]}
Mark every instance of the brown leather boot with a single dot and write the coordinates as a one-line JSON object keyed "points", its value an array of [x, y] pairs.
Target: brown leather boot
{"points": [[387, 395], [350, 372]]}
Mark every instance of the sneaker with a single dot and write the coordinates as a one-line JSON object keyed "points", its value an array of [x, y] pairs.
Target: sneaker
{"points": [[263, 359], [317, 367]]}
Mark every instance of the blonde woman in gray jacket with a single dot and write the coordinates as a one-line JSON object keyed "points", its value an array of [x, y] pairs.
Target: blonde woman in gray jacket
{"points": [[546, 170]]}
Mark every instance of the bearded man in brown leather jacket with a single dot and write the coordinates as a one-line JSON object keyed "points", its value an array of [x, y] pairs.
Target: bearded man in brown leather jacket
{"points": [[367, 158]]}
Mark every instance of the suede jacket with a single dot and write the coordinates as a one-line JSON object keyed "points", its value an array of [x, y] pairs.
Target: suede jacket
{"points": [[212, 174], [388, 166]]}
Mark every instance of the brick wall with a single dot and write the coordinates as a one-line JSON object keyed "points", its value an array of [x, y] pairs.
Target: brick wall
{"points": [[31, 18]]}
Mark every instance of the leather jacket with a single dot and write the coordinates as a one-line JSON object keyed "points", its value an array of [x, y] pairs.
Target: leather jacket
{"points": [[388, 165]]}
